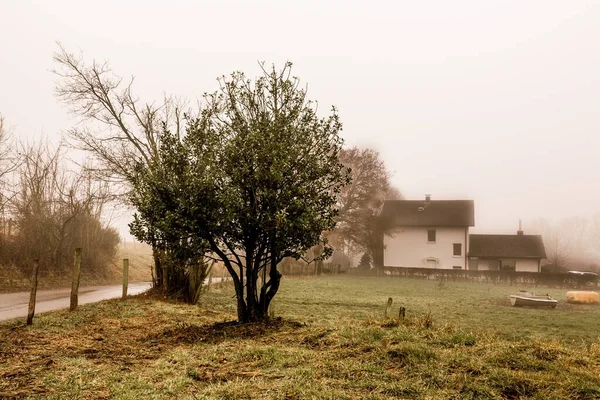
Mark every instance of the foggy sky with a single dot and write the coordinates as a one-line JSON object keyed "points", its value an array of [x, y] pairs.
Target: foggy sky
{"points": [[495, 101]]}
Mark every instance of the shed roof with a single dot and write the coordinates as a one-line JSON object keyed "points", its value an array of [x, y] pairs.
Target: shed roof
{"points": [[432, 213], [509, 246]]}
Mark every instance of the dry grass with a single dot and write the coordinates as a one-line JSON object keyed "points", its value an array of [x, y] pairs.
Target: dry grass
{"points": [[331, 343], [140, 262]]}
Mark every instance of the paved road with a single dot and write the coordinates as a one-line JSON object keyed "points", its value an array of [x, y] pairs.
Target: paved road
{"points": [[14, 305]]}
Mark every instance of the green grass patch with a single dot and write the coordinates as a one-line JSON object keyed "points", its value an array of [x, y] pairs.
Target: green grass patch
{"points": [[330, 341]]}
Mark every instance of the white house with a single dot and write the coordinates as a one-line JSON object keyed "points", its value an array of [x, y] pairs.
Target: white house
{"points": [[506, 252], [427, 234], [435, 234]]}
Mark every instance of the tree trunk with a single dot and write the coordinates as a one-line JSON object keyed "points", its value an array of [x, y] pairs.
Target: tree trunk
{"points": [[274, 281], [241, 304], [75, 280], [158, 272], [165, 264], [197, 274], [32, 295], [251, 278]]}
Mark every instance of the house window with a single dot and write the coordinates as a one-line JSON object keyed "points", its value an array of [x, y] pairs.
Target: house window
{"points": [[508, 265], [457, 267], [457, 249], [431, 235]]}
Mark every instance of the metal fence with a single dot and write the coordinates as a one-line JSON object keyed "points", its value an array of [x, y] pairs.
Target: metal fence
{"points": [[558, 280]]}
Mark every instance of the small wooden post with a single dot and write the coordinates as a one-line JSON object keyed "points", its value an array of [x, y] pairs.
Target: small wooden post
{"points": [[388, 308], [402, 313], [75, 281], [125, 276], [34, 283]]}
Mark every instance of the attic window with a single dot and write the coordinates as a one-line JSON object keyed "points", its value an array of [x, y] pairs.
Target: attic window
{"points": [[431, 235]]}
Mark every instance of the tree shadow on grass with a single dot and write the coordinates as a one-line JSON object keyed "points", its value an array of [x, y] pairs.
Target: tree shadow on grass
{"points": [[221, 331]]}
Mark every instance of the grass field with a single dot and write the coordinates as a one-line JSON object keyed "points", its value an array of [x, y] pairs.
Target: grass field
{"points": [[460, 341]]}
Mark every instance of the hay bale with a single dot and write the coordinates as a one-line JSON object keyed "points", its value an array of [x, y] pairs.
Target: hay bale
{"points": [[582, 297]]}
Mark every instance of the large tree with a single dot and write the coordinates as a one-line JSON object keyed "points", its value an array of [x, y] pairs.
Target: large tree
{"points": [[121, 132], [256, 178], [361, 201]]}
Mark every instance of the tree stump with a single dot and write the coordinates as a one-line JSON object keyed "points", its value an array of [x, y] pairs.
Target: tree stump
{"points": [[402, 313]]}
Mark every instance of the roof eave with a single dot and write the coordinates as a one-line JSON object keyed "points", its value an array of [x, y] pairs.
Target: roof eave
{"points": [[504, 256]]}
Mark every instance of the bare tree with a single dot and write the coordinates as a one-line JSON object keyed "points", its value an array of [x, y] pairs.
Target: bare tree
{"points": [[370, 180], [33, 204], [5, 153], [360, 203], [556, 242], [558, 251], [7, 165], [57, 210], [119, 130], [572, 242], [126, 131]]}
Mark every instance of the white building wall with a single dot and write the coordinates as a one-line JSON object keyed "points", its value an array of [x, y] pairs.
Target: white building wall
{"points": [[408, 247], [527, 265]]}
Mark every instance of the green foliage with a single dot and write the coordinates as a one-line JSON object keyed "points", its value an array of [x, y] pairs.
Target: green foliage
{"points": [[159, 220], [255, 178]]}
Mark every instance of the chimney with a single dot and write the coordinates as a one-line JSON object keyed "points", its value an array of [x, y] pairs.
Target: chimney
{"points": [[427, 198], [520, 231]]}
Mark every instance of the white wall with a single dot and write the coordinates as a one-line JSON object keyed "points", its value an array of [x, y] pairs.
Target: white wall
{"points": [[408, 247], [527, 265]]}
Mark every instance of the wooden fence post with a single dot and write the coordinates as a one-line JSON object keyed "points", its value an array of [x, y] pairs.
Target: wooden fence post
{"points": [[388, 308], [75, 281], [34, 284], [125, 276]]}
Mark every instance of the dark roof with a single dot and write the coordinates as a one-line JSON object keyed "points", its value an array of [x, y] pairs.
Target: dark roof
{"points": [[432, 213], [513, 246]]}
